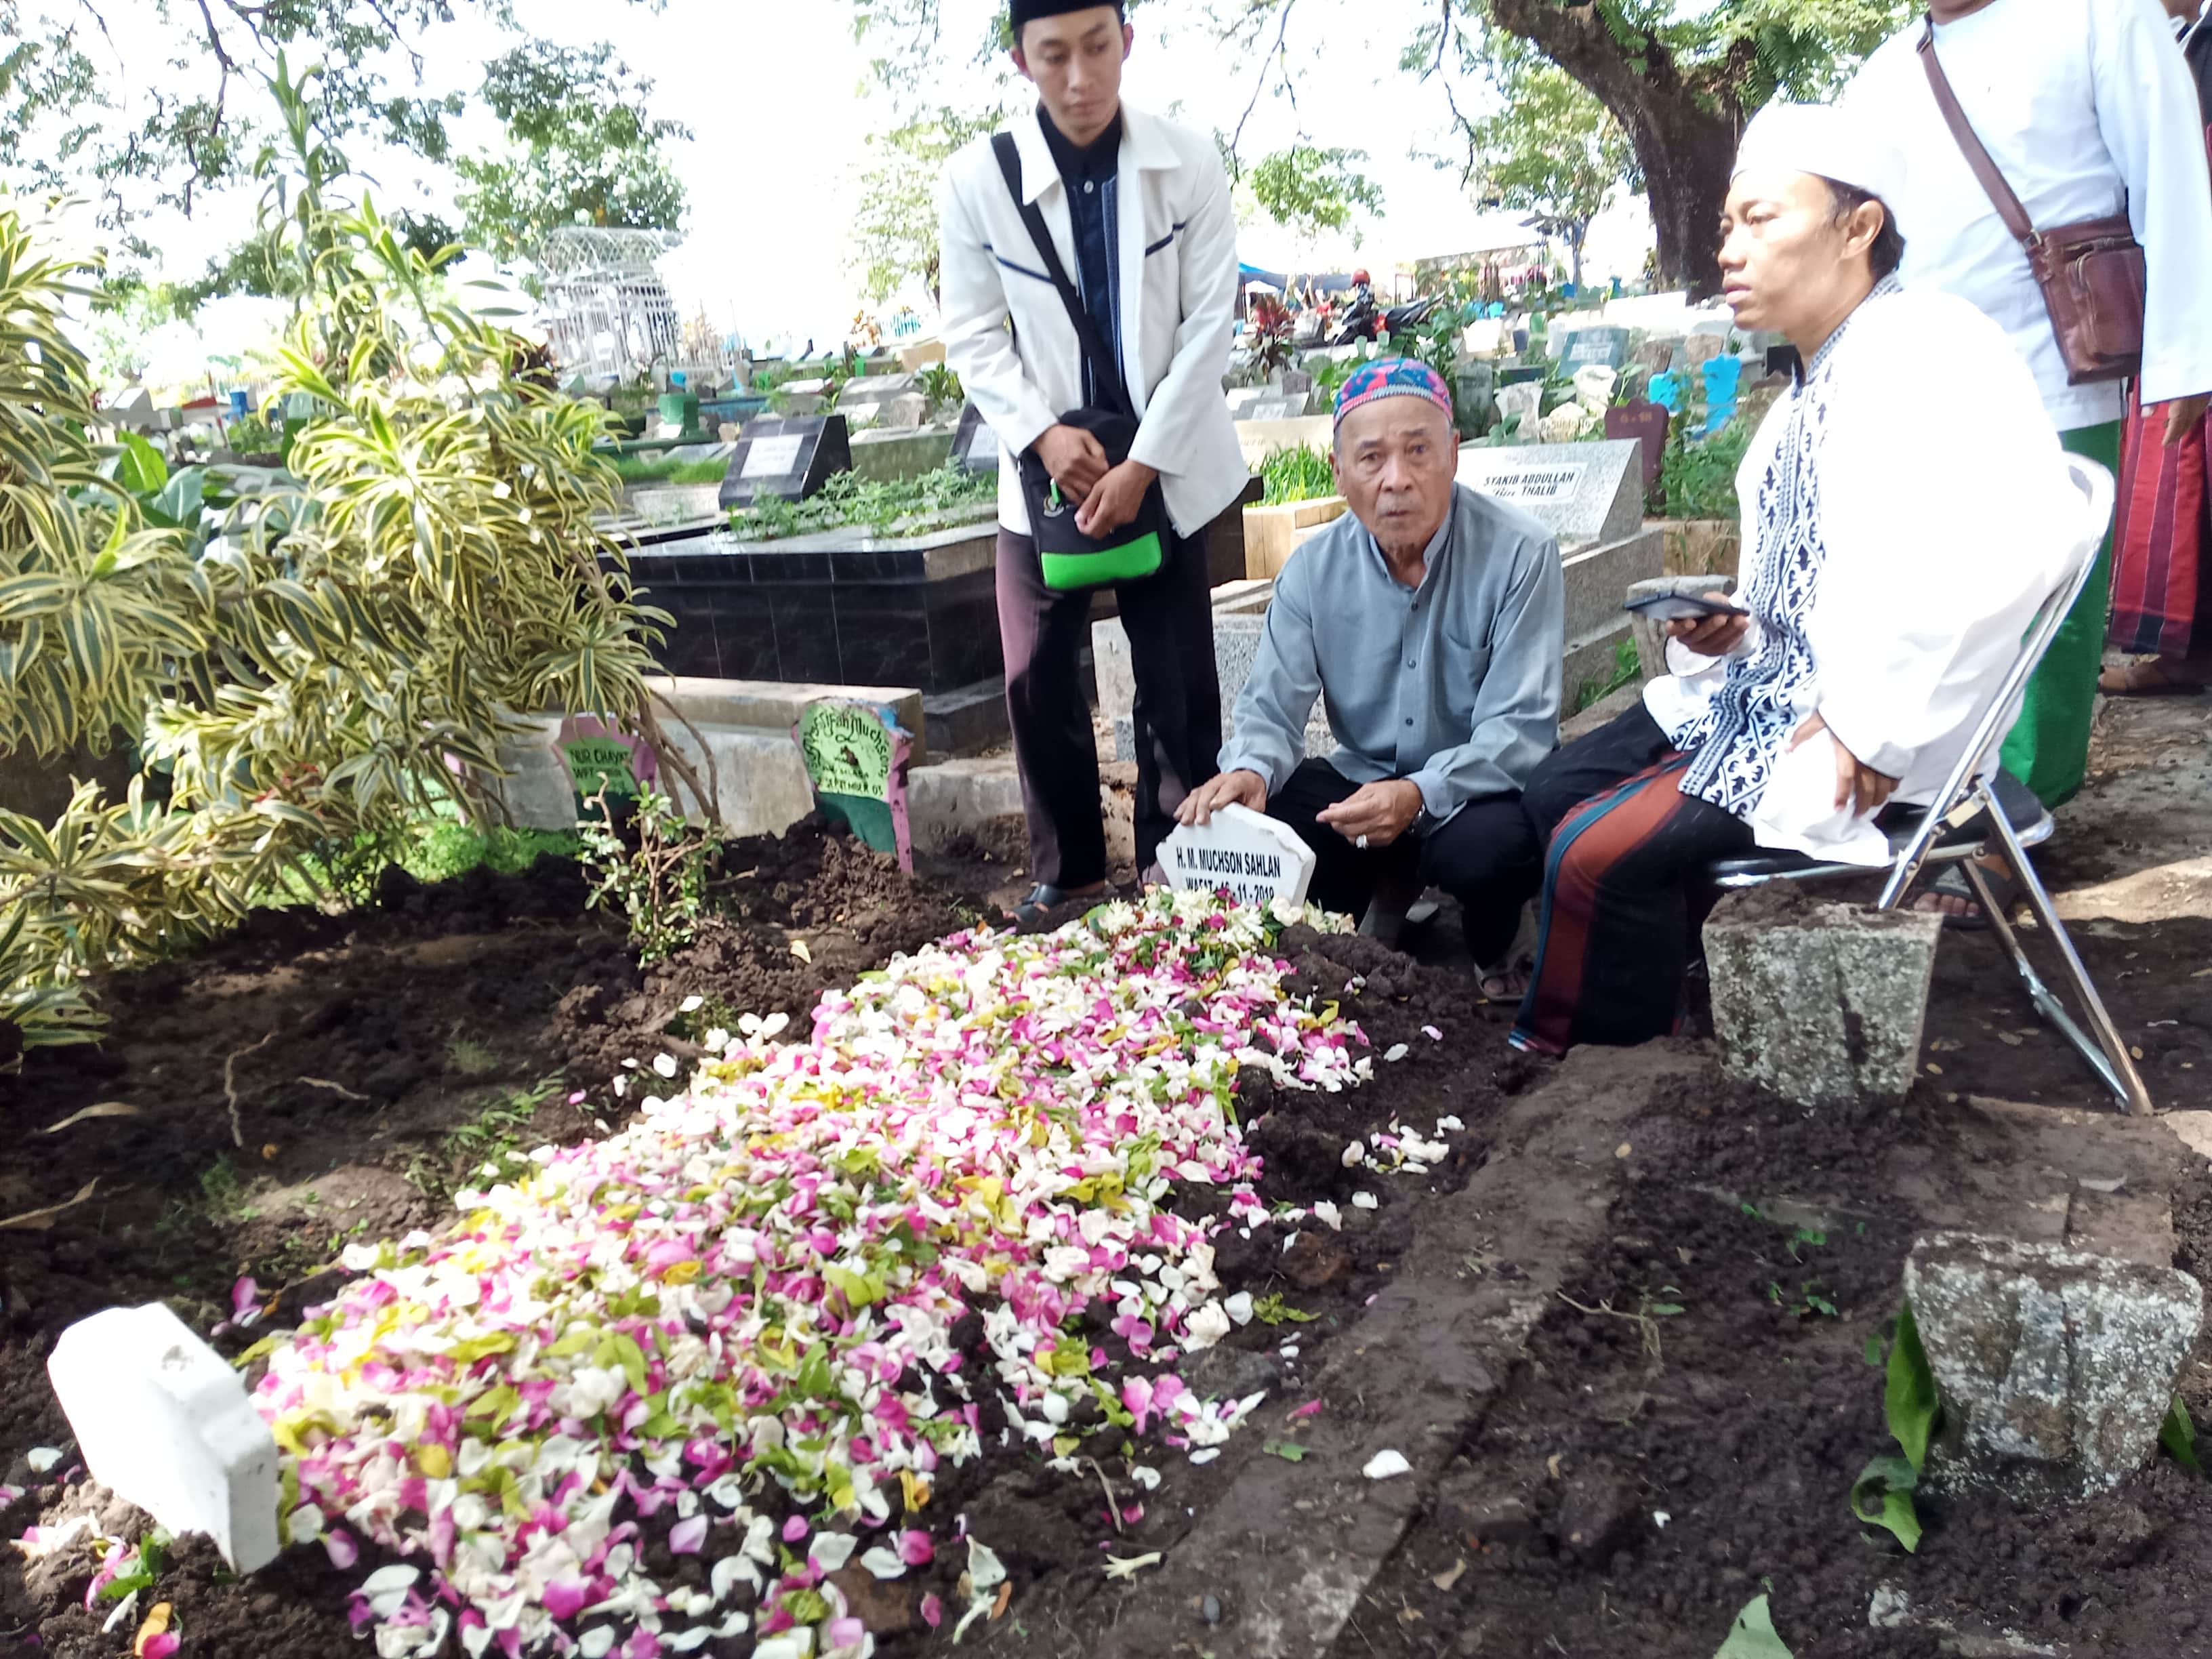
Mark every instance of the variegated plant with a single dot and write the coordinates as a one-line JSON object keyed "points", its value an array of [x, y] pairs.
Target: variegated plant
{"points": [[306, 667]]}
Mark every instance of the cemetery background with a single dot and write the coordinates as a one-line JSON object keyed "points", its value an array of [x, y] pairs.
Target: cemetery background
{"points": [[1621, 1307]]}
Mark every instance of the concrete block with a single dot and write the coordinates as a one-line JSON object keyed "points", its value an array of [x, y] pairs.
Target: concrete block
{"points": [[776, 705], [2055, 1366], [1650, 635], [961, 796], [904, 412], [665, 505], [536, 793], [1598, 579], [163, 1420], [883, 454], [921, 354], [1272, 534], [759, 778], [1823, 1004]]}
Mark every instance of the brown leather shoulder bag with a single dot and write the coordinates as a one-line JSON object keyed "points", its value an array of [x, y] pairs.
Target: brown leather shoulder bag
{"points": [[2090, 272]]}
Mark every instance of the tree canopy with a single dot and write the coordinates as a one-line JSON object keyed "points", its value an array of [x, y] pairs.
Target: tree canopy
{"points": [[1553, 152], [1679, 78], [190, 121], [895, 230], [1311, 191], [583, 149]]}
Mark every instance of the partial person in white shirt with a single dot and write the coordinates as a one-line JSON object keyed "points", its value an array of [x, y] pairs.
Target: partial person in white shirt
{"points": [[1890, 565], [2087, 109]]}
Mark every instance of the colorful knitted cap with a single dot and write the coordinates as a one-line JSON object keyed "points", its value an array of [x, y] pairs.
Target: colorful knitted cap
{"points": [[1391, 377]]}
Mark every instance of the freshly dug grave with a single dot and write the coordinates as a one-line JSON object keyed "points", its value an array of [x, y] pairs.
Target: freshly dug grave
{"points": [[1691, 1417], [513, 994]]}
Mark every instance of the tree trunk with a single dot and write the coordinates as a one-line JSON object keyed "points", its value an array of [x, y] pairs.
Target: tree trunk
{"points": [[1684, 136]]}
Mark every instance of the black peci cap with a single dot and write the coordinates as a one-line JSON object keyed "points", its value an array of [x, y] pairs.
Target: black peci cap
{"points": [[1028, 11]]}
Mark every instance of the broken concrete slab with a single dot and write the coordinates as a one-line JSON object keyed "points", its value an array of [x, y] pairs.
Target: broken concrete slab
{"points": [[1823, 1005], [2056, 1366], [164, 1421]]}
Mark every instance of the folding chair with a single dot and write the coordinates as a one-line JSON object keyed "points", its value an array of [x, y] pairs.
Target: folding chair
{"points": [[1973, 815]]}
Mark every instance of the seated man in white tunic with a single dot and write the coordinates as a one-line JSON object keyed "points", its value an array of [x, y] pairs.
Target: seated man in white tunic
{"points": [[1892, 557]]}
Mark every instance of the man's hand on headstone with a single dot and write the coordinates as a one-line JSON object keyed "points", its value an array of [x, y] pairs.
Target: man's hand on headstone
{"points": [[1075, 458], [1856, 781], [1238, 789], [2182, 414], [1119, 497], [1710, 637], [1379, 812]]}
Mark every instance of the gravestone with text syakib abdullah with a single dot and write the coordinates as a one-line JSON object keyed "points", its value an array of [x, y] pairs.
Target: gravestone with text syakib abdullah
{"points": [[856, 756], [1582, 493], [603, 760], [1249, 856]]}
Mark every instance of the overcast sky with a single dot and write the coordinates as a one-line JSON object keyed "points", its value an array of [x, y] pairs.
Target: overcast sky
{"points": [[782, 102]]}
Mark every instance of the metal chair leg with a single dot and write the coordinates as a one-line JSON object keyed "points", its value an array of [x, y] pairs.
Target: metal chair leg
{"points": [[2114, 1066]]}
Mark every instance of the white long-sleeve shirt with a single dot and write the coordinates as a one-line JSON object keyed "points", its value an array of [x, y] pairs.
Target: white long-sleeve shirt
{"points": [[1891, 565], [2083, 105], [1008, 337]]}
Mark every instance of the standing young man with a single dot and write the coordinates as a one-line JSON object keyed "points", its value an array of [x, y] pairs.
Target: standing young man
{"points": [[1138, 212], [2084, 106]]}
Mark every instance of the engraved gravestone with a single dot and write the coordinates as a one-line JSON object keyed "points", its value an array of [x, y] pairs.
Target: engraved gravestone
{"points": [[786, 459], [975, 445], [1602, 347], [1275, 409], [1248, 855], [1581, 492]]}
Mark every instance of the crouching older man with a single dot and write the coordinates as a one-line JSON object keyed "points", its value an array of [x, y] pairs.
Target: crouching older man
{"points": [[1430, 622]]}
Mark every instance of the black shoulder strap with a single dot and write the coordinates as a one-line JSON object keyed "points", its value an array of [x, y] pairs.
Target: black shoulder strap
{"points": [[1105, 373]]}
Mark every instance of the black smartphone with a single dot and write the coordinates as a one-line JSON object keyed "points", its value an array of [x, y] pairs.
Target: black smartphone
{"points": [[1681, 607]]}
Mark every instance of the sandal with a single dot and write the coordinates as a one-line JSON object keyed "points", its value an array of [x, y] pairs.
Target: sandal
{"points": [[1951, 882], [2157, 677], [1047, 906], [1506, 983]]}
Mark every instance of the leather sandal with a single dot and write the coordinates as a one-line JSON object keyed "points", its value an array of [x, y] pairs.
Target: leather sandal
{"points": [[1951, 882], [2157, 677]]}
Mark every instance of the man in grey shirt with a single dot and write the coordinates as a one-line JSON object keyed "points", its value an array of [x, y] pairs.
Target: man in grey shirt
{"points": [[1430, 621]]}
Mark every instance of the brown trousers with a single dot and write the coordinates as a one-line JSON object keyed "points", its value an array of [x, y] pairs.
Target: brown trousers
{"points": [[1170, 619]]}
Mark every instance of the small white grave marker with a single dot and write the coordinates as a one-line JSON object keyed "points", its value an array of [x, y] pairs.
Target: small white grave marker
{"points": [[164, 1421], [1251, 855]]}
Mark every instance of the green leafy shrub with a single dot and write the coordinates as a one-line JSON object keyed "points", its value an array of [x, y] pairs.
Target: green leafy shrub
{"points": [[1296, 475], [1698, 480], [656, 874], [305, 670]]}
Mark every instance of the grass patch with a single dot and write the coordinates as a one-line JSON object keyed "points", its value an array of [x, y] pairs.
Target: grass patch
{"points": [[667, 470], [1296, 475], [1627, 668], [485, 1150], [909, 506]]}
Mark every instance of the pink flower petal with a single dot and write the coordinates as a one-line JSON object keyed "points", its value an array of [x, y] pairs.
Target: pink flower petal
{"points": [[794, 1529], [916, 1549], [688, 1536], [933, 1610], [343, 1551], [244, 1295], [565, 1598], [159, 1647]]}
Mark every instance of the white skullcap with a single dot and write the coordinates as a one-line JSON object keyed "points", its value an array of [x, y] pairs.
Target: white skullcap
{"points": [[1819, 138]]}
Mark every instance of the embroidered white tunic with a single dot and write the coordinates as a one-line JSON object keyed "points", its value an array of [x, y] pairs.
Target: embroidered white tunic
{"points": [[1892, 562], [2084, 106]]}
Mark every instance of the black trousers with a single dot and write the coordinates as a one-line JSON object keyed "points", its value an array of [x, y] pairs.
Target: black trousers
{"points": [[1169, 620], [1624, 893], [1486, 856]]}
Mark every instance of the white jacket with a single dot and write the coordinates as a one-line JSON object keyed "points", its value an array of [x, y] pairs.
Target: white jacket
{"points": [[1176, 228]]}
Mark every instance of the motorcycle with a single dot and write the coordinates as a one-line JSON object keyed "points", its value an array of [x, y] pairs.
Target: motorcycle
{"points": [[1364, 322]]}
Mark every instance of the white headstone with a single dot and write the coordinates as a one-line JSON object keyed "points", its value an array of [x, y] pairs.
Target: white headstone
{"points": [[1521, 401], [1583, 492], [1255, 857], [164, 1421]]}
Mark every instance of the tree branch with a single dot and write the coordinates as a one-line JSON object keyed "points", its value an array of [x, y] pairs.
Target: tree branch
{"points": [[1267, 63]]}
